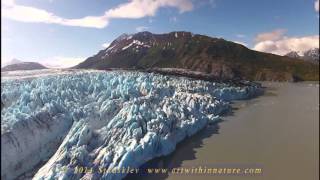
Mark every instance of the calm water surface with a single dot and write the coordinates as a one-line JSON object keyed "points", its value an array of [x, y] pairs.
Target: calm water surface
{"points": [[278, 132]]}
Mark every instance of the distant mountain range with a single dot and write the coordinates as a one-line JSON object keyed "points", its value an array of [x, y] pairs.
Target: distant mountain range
{"points": [[12, 61], [15, 65], [198, 53], [311, 55]]}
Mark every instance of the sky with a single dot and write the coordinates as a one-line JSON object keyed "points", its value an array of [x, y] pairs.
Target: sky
{"points": [[62, 33]]}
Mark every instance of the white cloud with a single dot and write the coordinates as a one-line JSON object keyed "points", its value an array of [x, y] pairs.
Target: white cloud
{"points": [[29, 14], [316, 5], [7, 2], [105, 45], [141, 8], [88, 21], [240, 35], [61, 62], [141, 28], [173, 19], [133, 9], [284, 45], [270, 36]]}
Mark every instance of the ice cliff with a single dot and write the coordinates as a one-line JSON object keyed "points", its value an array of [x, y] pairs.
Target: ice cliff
{"points": [[102, 119]]}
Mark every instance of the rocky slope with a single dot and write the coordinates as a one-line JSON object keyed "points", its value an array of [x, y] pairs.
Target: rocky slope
{"points": [[217, 57]]}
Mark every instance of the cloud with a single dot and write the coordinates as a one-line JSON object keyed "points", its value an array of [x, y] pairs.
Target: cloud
{"points": [[316, 5], [61, 61], [240, 35], [141, 8], [285, 45], [7, 2], [88, 21], [173, 19], [270, 36], [105, 45], [133, 9], [29, 14], [141, 28]]}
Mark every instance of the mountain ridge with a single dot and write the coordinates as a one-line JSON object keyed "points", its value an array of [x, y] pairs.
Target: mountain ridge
{"points": [[184, 50]]}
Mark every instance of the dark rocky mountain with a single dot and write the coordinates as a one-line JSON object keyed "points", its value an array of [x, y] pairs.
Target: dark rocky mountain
{"points": [[214, 56], [23, 66], [311, 55]]}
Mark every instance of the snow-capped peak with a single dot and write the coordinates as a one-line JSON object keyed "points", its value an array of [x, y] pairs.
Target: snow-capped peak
{"points": [[308, 55], [122, 37], [293, 54], [312, 54]]}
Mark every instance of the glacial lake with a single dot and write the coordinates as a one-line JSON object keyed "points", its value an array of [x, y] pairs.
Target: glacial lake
{"points": [[278, 132]]}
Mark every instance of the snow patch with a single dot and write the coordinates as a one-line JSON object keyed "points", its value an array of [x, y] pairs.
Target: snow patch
{"points": [[129, 37], [137, 43], [110, 48]]}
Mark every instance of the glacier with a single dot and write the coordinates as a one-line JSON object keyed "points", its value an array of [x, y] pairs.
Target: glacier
{"points": [[56, 120]]}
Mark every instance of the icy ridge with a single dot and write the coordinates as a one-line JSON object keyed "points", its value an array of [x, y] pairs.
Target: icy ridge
{"points": [[103, 119]]}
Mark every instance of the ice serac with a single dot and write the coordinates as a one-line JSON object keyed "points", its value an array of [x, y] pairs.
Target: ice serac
{"points": [[106, 119]]}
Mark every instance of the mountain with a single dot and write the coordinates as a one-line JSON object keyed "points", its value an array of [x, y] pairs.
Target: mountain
{"points": [[311, 55], [215, 56], [23, 66], [12, 61], [293, 54]]}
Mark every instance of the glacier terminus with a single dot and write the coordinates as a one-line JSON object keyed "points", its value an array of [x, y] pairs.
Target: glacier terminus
{"points": [[56, 120]]}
